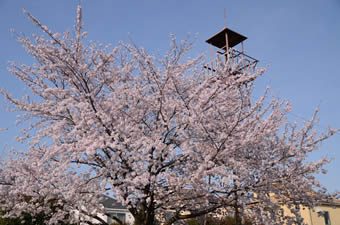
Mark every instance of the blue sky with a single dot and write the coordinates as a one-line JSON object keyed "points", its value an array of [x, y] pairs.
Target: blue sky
{"points": [[299, 42]]}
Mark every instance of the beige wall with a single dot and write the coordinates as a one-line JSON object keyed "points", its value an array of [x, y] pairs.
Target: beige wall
{"points": [[311, 217]]}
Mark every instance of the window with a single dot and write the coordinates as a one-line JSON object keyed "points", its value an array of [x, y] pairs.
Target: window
{"points": [[120, 216], [326, 217], [298, 220]]}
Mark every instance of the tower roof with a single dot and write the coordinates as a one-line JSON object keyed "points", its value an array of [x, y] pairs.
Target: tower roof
{"points": [[218, 40]]}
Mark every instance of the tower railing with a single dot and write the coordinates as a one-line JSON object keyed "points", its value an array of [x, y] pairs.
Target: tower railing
{"points": [[224, 41], [244, 62]]}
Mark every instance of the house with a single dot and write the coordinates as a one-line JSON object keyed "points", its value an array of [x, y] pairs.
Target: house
{"points": [[114, 208], [111, 208], [326, 213]]}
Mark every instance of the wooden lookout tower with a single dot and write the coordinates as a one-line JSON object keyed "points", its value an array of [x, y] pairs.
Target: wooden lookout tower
{"points": [[226, 41]]}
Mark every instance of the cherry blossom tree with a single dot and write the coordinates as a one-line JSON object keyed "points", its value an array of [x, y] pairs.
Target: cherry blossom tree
{"points": [[167, 140]]}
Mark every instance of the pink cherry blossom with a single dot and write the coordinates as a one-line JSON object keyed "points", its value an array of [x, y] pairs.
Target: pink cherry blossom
{"points": [[158, 134]]}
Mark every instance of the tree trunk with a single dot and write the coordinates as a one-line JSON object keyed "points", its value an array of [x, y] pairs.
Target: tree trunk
{"points": [[145, 219], [238, 219]]}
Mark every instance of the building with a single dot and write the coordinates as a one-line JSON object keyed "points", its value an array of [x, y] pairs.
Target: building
{"points": [[111, 208], [114, 208], [326, 213]]}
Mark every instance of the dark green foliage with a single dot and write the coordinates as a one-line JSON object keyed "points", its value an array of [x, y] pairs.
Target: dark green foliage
{"points": [[26, 220], [9, 221], [209, 220]]}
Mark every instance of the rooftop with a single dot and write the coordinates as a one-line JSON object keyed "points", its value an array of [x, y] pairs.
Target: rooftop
{"points": [[218, 40], [109, 202]]}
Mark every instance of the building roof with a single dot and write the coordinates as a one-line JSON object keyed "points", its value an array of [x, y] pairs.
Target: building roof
{"points": [[111, 203], [332, 202], [218, 40]]}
